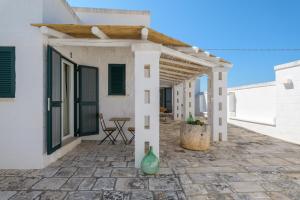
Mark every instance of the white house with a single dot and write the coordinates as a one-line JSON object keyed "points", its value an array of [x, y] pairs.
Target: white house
{"points": [[61, 66]]}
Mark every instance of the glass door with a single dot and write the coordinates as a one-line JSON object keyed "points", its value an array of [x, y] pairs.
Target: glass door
{"points": [[67, 90]]}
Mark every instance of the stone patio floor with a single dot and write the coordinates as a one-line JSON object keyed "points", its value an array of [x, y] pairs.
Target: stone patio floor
{"points": [[249, 166]]}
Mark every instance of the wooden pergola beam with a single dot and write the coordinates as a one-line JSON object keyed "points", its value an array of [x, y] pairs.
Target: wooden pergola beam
{"points": [[183, 56], [53, 33], [170, 80], [98, 33], [175, 72], [173, 77], [183, 64], [180, 69]]}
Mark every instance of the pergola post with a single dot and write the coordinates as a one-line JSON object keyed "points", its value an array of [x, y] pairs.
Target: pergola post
{"points": [[217, 103], [146, 73], [189, 98], [178, 102]]}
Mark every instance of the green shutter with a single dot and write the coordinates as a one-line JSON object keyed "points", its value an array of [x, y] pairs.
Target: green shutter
{"points": [[7, 72], [116, 79]]}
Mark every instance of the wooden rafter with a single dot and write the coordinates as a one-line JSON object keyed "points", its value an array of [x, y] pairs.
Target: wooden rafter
{"points": [[183, 64], [172, 77], [175, 75], [170, 80], [174, 72], [179, 69]]}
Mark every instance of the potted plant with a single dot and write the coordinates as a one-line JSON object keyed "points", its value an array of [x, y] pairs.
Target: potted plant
{"points": [[194, 135]]}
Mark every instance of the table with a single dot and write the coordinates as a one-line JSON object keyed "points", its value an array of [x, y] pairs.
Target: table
{"points": [[120, 122]]}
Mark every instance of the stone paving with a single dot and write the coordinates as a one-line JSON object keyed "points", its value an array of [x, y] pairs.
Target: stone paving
{"points": [[249, 166]]}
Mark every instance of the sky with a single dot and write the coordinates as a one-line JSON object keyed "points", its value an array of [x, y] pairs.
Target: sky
{"points": [[226, 24]]}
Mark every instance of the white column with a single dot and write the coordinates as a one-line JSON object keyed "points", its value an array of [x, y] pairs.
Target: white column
{"points": [[146, 75], [217, 103], [189, 98], [178, 102]]}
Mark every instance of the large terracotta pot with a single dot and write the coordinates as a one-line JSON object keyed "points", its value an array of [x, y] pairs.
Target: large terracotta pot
{"points": [[194, 137]]}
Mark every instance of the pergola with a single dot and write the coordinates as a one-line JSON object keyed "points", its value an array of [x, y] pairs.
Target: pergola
{"points": [[172, 62]]}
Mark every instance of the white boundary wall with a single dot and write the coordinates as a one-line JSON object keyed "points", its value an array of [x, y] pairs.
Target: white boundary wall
{"points": [[253, 103]]}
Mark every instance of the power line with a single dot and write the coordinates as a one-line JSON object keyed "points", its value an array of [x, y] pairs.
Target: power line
{"points": [[254, 49]]}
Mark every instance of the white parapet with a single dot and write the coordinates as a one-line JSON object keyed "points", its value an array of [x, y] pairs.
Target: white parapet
{"points": [[146, 72]]}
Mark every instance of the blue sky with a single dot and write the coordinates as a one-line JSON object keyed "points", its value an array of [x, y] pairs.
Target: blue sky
{"points": [[226, 24]]}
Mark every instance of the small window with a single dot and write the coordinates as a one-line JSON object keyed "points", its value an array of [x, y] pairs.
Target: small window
{"points": [[220, 76], [220, 106], [147, 96], [116, 79], [146, 147], [147, 71], [7, 72], [147, 122]]}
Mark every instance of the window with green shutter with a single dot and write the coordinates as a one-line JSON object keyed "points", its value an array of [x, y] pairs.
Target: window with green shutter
{"points": [[7, 72], [116, 79]]}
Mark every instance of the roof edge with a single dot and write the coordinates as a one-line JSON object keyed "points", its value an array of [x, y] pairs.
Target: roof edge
{"points": [[68, 7], [110, 11], [295, 63], [254, 85]]}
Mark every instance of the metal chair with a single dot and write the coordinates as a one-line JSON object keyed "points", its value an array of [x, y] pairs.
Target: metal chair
{"points": [[132, 131], [108, 131]]}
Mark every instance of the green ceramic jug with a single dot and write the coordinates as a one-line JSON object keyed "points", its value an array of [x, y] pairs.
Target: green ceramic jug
{"points": [[150, 163], [190, 119]]}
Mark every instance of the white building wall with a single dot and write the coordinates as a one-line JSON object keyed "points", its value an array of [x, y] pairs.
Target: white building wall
{"points": [[110, 106], [58, 11], [288, 101], [21, 118], [113, 17]]}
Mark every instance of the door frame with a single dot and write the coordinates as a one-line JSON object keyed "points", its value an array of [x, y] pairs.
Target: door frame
{"points": [[71, 98], [48, 100]]}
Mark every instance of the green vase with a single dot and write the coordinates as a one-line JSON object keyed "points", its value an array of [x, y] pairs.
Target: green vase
{"points": [[190, 119], [150, 163]]}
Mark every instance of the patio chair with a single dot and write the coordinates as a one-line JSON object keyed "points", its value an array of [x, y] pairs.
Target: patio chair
{"points": [[108, 131], [132, 131]]}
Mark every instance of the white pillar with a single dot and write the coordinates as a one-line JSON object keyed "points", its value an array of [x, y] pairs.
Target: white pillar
{"points": [[189, 98], [146, 76], [178, 102], [217, 103]]}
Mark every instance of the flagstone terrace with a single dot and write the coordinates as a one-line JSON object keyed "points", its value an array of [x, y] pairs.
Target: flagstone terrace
{"points": [[248, 166]]}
